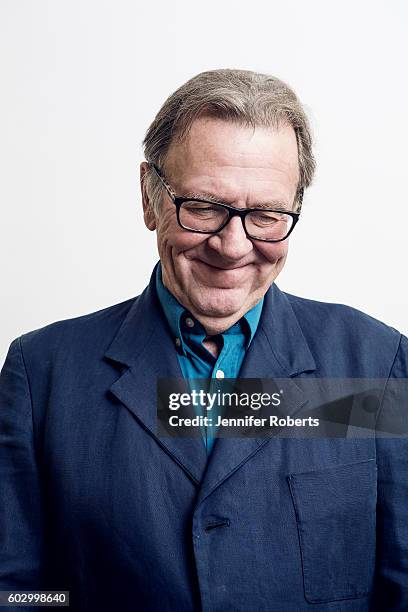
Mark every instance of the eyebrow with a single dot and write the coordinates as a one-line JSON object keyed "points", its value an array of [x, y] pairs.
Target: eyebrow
{"points": [[276, 204], [205, 196]]}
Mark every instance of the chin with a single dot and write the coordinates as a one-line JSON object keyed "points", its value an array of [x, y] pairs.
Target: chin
{"points": [[218, 302]]}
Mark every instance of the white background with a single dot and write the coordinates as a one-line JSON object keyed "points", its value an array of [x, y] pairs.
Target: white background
{"points": [[82, 79]]}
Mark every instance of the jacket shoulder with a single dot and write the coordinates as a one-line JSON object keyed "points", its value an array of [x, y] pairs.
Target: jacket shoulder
{"points": [[340, 313], [94, 330], [344, 331]]}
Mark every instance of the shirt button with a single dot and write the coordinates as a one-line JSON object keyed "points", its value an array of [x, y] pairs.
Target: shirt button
{"points": [[178, 342], [189, 322], [219, 374]]}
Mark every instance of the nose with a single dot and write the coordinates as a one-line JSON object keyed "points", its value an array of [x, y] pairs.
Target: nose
{"points": [[231, 243]]}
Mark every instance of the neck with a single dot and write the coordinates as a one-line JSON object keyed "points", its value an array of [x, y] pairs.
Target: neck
{"points": [[213, 345]]}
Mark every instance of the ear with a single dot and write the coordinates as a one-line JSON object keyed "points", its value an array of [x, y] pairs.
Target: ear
{"points": [[148, 212]]}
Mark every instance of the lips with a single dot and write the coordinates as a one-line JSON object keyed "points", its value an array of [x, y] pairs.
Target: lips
{"points": [[221, 268]]}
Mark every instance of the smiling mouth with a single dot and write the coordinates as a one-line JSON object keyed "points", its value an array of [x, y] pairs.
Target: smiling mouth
{"points": [[221, 268]]}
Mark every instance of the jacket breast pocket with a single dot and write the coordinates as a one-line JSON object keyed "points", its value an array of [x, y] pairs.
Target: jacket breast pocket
{"points": [[335, 514]]}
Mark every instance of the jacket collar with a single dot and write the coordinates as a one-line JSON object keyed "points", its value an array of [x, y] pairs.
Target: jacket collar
{"points": [[284, 335]]}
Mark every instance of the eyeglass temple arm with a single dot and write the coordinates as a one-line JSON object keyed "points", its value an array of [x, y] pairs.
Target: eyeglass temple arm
{"points": [[300, 199], [162, 180]]}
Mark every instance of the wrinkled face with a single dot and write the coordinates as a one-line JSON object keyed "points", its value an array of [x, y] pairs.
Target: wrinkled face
{"points": [[219, 277]]}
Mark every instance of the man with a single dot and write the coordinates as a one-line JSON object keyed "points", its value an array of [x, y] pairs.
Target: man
{"points": [[94, 501]]}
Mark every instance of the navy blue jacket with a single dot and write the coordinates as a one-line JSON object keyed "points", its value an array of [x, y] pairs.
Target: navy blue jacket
{"points": [[93, 502]]}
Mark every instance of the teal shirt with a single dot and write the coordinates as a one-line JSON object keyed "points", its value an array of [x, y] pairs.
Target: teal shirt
{"points": [[195, 360]]}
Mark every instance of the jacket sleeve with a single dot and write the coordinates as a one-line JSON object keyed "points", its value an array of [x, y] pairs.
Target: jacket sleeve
{"points": [[20, 499], [391, 591]]}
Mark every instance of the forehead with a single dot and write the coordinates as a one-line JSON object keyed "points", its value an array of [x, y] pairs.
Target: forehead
{"points": [[220, 156]]}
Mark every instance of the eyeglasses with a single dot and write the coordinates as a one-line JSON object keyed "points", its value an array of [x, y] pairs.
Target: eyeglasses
{"points": [[206, 217]]}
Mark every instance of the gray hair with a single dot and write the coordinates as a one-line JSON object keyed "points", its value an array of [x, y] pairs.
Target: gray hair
{"points": [[240, 96]]}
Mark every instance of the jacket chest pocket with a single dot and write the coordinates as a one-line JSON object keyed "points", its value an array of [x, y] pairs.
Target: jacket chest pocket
{"points": [[335, 513]]}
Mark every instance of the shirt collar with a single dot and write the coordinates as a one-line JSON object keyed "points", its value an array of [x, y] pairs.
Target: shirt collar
{"points": [[176, 314]]}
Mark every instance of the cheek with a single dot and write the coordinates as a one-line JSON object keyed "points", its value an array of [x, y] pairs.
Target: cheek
{"points": [[273, 253], [170, 236]]}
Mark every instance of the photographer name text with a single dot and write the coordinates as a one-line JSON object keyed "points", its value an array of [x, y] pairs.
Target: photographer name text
{"points": [[247, 421]]}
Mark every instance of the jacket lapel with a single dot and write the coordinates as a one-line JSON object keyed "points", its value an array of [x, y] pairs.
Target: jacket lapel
{"points": [[278, 351], [144, 344]]}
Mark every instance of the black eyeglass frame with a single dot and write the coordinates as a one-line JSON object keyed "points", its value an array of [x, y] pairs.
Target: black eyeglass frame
{"points": [[231, 210]]}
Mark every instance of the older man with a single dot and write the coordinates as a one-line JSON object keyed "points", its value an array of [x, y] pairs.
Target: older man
{"points": [[94, 501]]}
